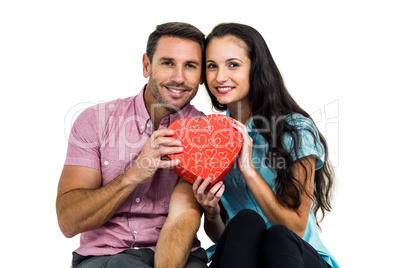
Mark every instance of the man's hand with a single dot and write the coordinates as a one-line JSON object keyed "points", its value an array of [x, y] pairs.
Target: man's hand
{"points": [[83, 204], [152, 156]]}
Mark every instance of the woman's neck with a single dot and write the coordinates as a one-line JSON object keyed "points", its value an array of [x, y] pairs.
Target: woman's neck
{"points": [[240, 112]]}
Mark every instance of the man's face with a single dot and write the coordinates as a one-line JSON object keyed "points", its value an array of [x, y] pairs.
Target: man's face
{"points": [[174, 74]]}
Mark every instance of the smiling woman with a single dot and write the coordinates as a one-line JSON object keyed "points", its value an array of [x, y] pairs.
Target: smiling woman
{"points": [[270, 209], [228, 66]]}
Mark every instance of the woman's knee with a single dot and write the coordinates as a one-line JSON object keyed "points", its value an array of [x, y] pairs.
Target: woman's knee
{"points": [[247, 224], [248, 217], [278, 235]]}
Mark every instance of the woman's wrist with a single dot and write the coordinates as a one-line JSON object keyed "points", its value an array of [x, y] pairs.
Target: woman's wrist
{"points": [[211, 217], [248, 173]]}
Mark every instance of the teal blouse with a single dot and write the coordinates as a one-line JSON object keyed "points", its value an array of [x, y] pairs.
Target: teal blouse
{"points": [[237, 195]]}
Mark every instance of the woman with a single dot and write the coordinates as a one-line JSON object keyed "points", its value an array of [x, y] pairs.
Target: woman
{"points": [[264, 213]]}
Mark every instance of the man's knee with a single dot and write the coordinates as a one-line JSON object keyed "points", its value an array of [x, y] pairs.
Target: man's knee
{"points": [[197, 259], [123, 260]]}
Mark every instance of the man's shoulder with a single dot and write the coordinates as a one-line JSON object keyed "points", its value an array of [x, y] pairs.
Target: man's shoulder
{"points": [[106, 109], [115, 104]]}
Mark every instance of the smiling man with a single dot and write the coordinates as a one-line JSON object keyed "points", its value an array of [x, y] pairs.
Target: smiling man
{"points": [[116, 189], [174, 75]]}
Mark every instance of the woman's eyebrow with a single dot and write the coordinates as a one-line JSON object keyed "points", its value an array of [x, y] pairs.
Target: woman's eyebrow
{"points": [[232, 59]]}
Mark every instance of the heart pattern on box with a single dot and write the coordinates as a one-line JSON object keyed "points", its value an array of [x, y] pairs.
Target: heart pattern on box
{"points": [[211, 146]]}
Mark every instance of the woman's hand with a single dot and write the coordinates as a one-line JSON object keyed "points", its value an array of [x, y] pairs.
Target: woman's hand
{"points": [[245, 159], [208, 200]]}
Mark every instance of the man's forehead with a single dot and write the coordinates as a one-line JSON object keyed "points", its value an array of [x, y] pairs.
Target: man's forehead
{"points": [[174, 47]]}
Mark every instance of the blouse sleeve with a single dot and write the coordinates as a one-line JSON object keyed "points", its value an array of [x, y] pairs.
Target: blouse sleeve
{"points": [[307, 141]]}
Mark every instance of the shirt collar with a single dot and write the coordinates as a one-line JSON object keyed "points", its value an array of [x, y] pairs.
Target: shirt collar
{"points": [[141, 113], [183, 113]]}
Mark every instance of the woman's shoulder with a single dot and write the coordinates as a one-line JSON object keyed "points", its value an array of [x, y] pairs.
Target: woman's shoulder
{"points": [[304, 139], [297, 119], [301, 122]]}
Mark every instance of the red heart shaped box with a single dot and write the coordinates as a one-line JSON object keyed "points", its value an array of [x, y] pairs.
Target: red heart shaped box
{"points": [[211, 146]]}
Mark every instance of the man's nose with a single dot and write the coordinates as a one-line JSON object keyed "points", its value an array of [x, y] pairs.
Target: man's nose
{"points": [[178, 75]]}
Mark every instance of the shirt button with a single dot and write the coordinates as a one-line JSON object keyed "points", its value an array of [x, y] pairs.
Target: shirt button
{"points": [[135, 247], [142, 127], [148, 125], [106, 163], [137, 200], [135, 232]]}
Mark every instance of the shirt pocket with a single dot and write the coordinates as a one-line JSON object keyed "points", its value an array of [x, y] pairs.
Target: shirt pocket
{"points": [[111, 169]]}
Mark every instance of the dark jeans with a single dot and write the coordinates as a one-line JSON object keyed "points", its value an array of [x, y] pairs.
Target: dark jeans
{"points": [[247, 243], [134, 258]]}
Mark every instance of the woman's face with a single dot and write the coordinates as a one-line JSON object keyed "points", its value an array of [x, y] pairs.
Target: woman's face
{"points": [[228, 70]]}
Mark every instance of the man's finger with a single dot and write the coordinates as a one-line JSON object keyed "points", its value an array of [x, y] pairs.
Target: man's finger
{"points": [[162, 133], [164, 141], [169, 150], [168, 164]]}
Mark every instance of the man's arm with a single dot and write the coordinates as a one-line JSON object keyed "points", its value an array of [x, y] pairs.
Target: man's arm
{"points": [[83, 204], [178, 232]]}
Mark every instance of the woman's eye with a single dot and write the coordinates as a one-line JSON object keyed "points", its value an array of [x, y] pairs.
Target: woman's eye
{"points": [[233, 64], [211, 65]]}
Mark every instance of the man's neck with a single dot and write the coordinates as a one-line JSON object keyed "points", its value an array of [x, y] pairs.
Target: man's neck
{"points": [[156, 115], [156, 111]]}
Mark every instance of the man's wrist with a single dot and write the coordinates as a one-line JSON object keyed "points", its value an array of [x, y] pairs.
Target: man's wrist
{"points": [[129, 179]]}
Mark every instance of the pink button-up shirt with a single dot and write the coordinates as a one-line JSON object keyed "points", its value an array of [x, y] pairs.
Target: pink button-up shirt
{"points": [[109, 137]]}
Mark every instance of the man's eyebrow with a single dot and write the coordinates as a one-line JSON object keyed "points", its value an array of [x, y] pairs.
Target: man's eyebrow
{"points": [[193, 62], [187, 62], [166, 59]]}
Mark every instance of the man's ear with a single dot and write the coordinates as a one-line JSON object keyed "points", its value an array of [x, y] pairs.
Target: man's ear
{"points": [[146, 65]]}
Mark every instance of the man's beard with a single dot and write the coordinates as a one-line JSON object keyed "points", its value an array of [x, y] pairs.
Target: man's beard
{"points": [[156, 90]]}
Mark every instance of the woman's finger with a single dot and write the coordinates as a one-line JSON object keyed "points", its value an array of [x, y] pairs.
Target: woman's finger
{"points": [[219, 193], [203, 186], [196, 184]]}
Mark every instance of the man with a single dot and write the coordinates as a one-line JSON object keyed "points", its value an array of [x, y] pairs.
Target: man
{"points": [[116, 185]]}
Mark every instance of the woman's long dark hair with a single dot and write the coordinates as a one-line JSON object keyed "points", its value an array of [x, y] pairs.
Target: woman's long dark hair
{"points": [[272, 104]]}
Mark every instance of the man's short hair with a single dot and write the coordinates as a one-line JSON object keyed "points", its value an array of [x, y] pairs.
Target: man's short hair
{"points": [[174, 29]]}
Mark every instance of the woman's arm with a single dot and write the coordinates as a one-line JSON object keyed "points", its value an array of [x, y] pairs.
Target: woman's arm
{"points": [[274, 211], [213, 224]]}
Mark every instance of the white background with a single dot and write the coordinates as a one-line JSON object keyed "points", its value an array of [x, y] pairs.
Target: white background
{"points": [[341, 60]]}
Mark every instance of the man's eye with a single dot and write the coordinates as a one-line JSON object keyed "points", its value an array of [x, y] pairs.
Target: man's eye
{"points": [[191, 66], [167, 63]]}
